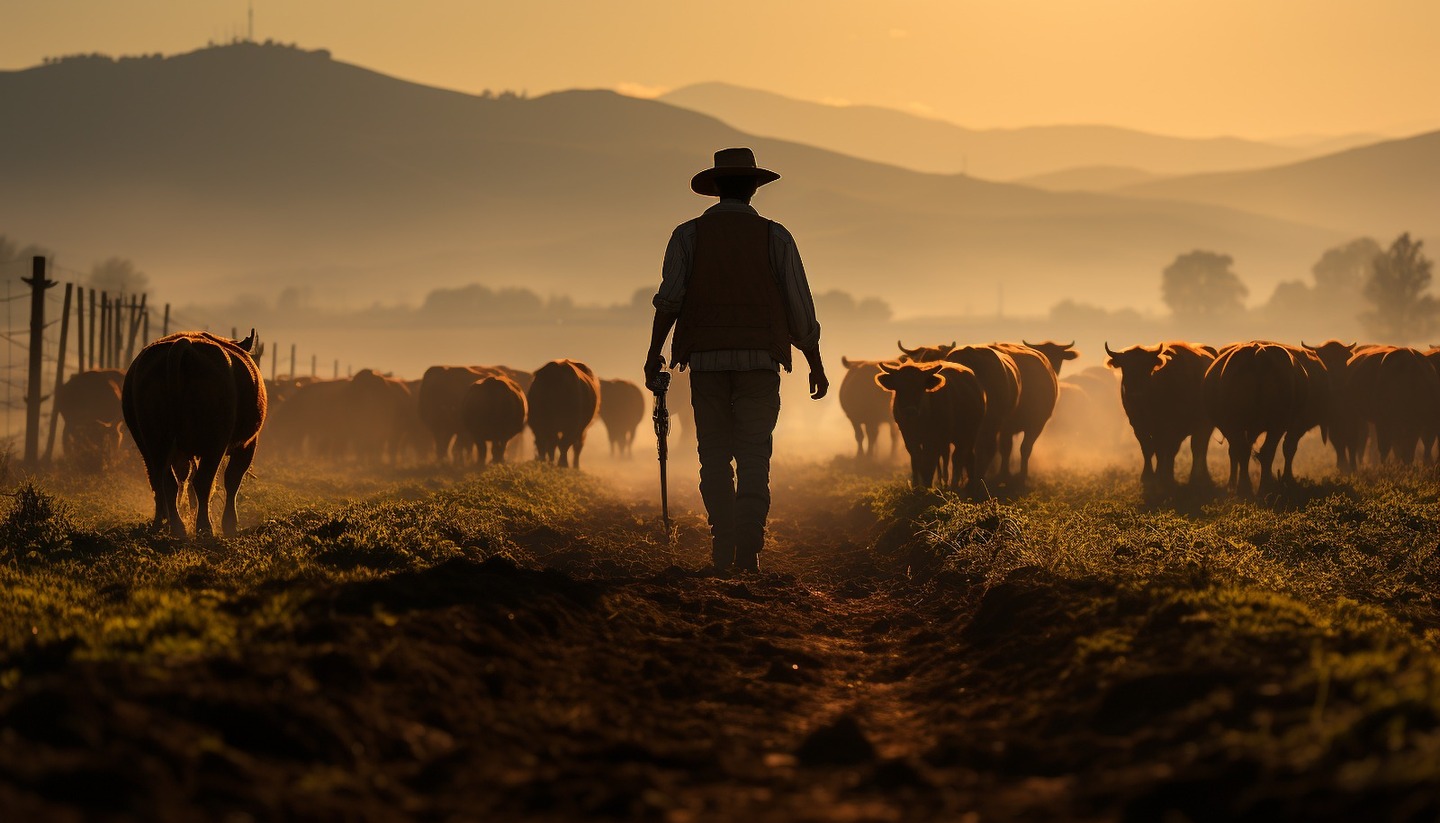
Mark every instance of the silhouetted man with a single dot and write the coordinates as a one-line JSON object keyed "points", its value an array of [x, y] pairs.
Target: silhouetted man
{"points": [[735, 291]]}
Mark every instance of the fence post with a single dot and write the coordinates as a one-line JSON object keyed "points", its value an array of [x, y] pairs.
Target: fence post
{"points": [[165, 325], [59, 373], [292, 361], [118, 329], [91, 347], [104, 329], [145, 322], [274, 363], [337, 369], [33, 397], [137, 313], [313, 362], [79, 329]]}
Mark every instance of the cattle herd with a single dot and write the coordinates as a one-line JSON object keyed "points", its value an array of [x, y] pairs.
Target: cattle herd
{"points": [[960, 408], [192, 399]]}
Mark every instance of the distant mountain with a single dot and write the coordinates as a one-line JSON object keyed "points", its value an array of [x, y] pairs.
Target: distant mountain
{"points": [[1090, 178], [252, 169], [890, 136], [1381, 190]]}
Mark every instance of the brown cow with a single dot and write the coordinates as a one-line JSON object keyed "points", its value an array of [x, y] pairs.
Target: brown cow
{"points": [[939, 408], [564, 400], [622, 408], [1039, 389], [89, 403], [867, 404], [493, 411], [1398, 392], [192, 399], [1254, 389], [441, 390], [1162, 390], [1000, 378], [375, 415]]}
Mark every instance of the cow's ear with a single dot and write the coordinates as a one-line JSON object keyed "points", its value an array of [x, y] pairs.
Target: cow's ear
{"points": [[885, 380], [1112, 363], [1070, 354], [934, 381]]}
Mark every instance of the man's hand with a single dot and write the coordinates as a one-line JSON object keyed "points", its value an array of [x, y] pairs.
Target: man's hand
{"points": [[654, 364], [819, 383]]}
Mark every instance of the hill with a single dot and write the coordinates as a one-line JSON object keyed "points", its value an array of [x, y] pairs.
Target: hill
{"points": [[924, 144], [252, 169], [1381, 189]]}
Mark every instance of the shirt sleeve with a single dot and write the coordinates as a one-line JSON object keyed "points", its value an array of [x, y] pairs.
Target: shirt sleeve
{"points": [[800, 305], [675, 271]]}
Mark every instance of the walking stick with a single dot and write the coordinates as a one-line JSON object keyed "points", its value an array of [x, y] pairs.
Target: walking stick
{"points": [[662, 434]]}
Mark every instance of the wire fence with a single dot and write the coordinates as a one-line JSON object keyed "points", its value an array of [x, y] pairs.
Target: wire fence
{"points": [[95, 338]]}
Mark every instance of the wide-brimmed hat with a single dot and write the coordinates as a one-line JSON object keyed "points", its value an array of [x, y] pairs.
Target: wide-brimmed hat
{"points": [[731, 163]]}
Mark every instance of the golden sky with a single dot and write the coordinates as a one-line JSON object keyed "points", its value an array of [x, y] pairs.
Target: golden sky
{"points": [[1253, 68]]}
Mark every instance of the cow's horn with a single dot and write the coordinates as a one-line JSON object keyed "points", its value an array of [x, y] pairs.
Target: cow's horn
{"points": [[1107, 349], [886, 367], [248, 343], [905, 351]]}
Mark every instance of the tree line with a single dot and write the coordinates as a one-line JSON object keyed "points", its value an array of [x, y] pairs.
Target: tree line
{"points": [[1387, 290]]}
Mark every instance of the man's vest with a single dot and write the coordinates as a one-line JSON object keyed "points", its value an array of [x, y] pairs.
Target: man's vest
{"points": [[733, 299]]}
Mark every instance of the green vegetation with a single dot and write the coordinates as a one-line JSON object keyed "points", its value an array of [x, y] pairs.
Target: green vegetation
{"points": [[1072, 652]]}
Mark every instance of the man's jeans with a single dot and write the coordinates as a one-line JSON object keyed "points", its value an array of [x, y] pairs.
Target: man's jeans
{"points": [[735, 414]]}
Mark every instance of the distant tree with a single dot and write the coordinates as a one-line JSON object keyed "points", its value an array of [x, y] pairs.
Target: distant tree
{"points": [[1398, 289], [1342, 272], [1201, 285], [843, 305], [116, 276]]}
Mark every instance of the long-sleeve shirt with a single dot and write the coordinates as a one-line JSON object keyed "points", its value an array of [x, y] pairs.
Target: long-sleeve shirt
{"points": [[784, 261]]}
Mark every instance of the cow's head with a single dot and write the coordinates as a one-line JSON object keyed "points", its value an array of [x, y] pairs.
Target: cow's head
{"points": [[1136, 362], [1332, 353], [1056, 353], [909, 382]]}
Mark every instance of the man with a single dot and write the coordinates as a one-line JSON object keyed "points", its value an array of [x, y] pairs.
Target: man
{"points": [[735, 291]]}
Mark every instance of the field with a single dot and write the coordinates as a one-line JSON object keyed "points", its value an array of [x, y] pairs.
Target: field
{"points": [[525, 643]]}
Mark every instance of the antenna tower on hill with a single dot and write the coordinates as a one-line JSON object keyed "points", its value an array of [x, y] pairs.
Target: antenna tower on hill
{"points": [[250, 34]]}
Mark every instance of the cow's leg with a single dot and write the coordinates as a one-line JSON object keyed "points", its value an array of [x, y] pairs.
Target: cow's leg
{"points": [[162, 483], [894, 439], [859, 440], [1199, 458], [1165, 464], [872, 431], [203, 481], [240, 460], [578, 444], [1007, 445], [1240, 447], [1266, 457], [917, 468]]}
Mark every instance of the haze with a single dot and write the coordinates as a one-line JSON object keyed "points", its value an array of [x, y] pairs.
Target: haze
{"points": [[1270, 70]]}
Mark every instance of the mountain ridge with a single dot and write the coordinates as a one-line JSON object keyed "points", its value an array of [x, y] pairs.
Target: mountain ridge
{"points": [[267, 168]]}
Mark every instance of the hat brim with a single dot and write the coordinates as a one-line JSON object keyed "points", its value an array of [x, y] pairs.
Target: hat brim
{"points": [[704, 182]]}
